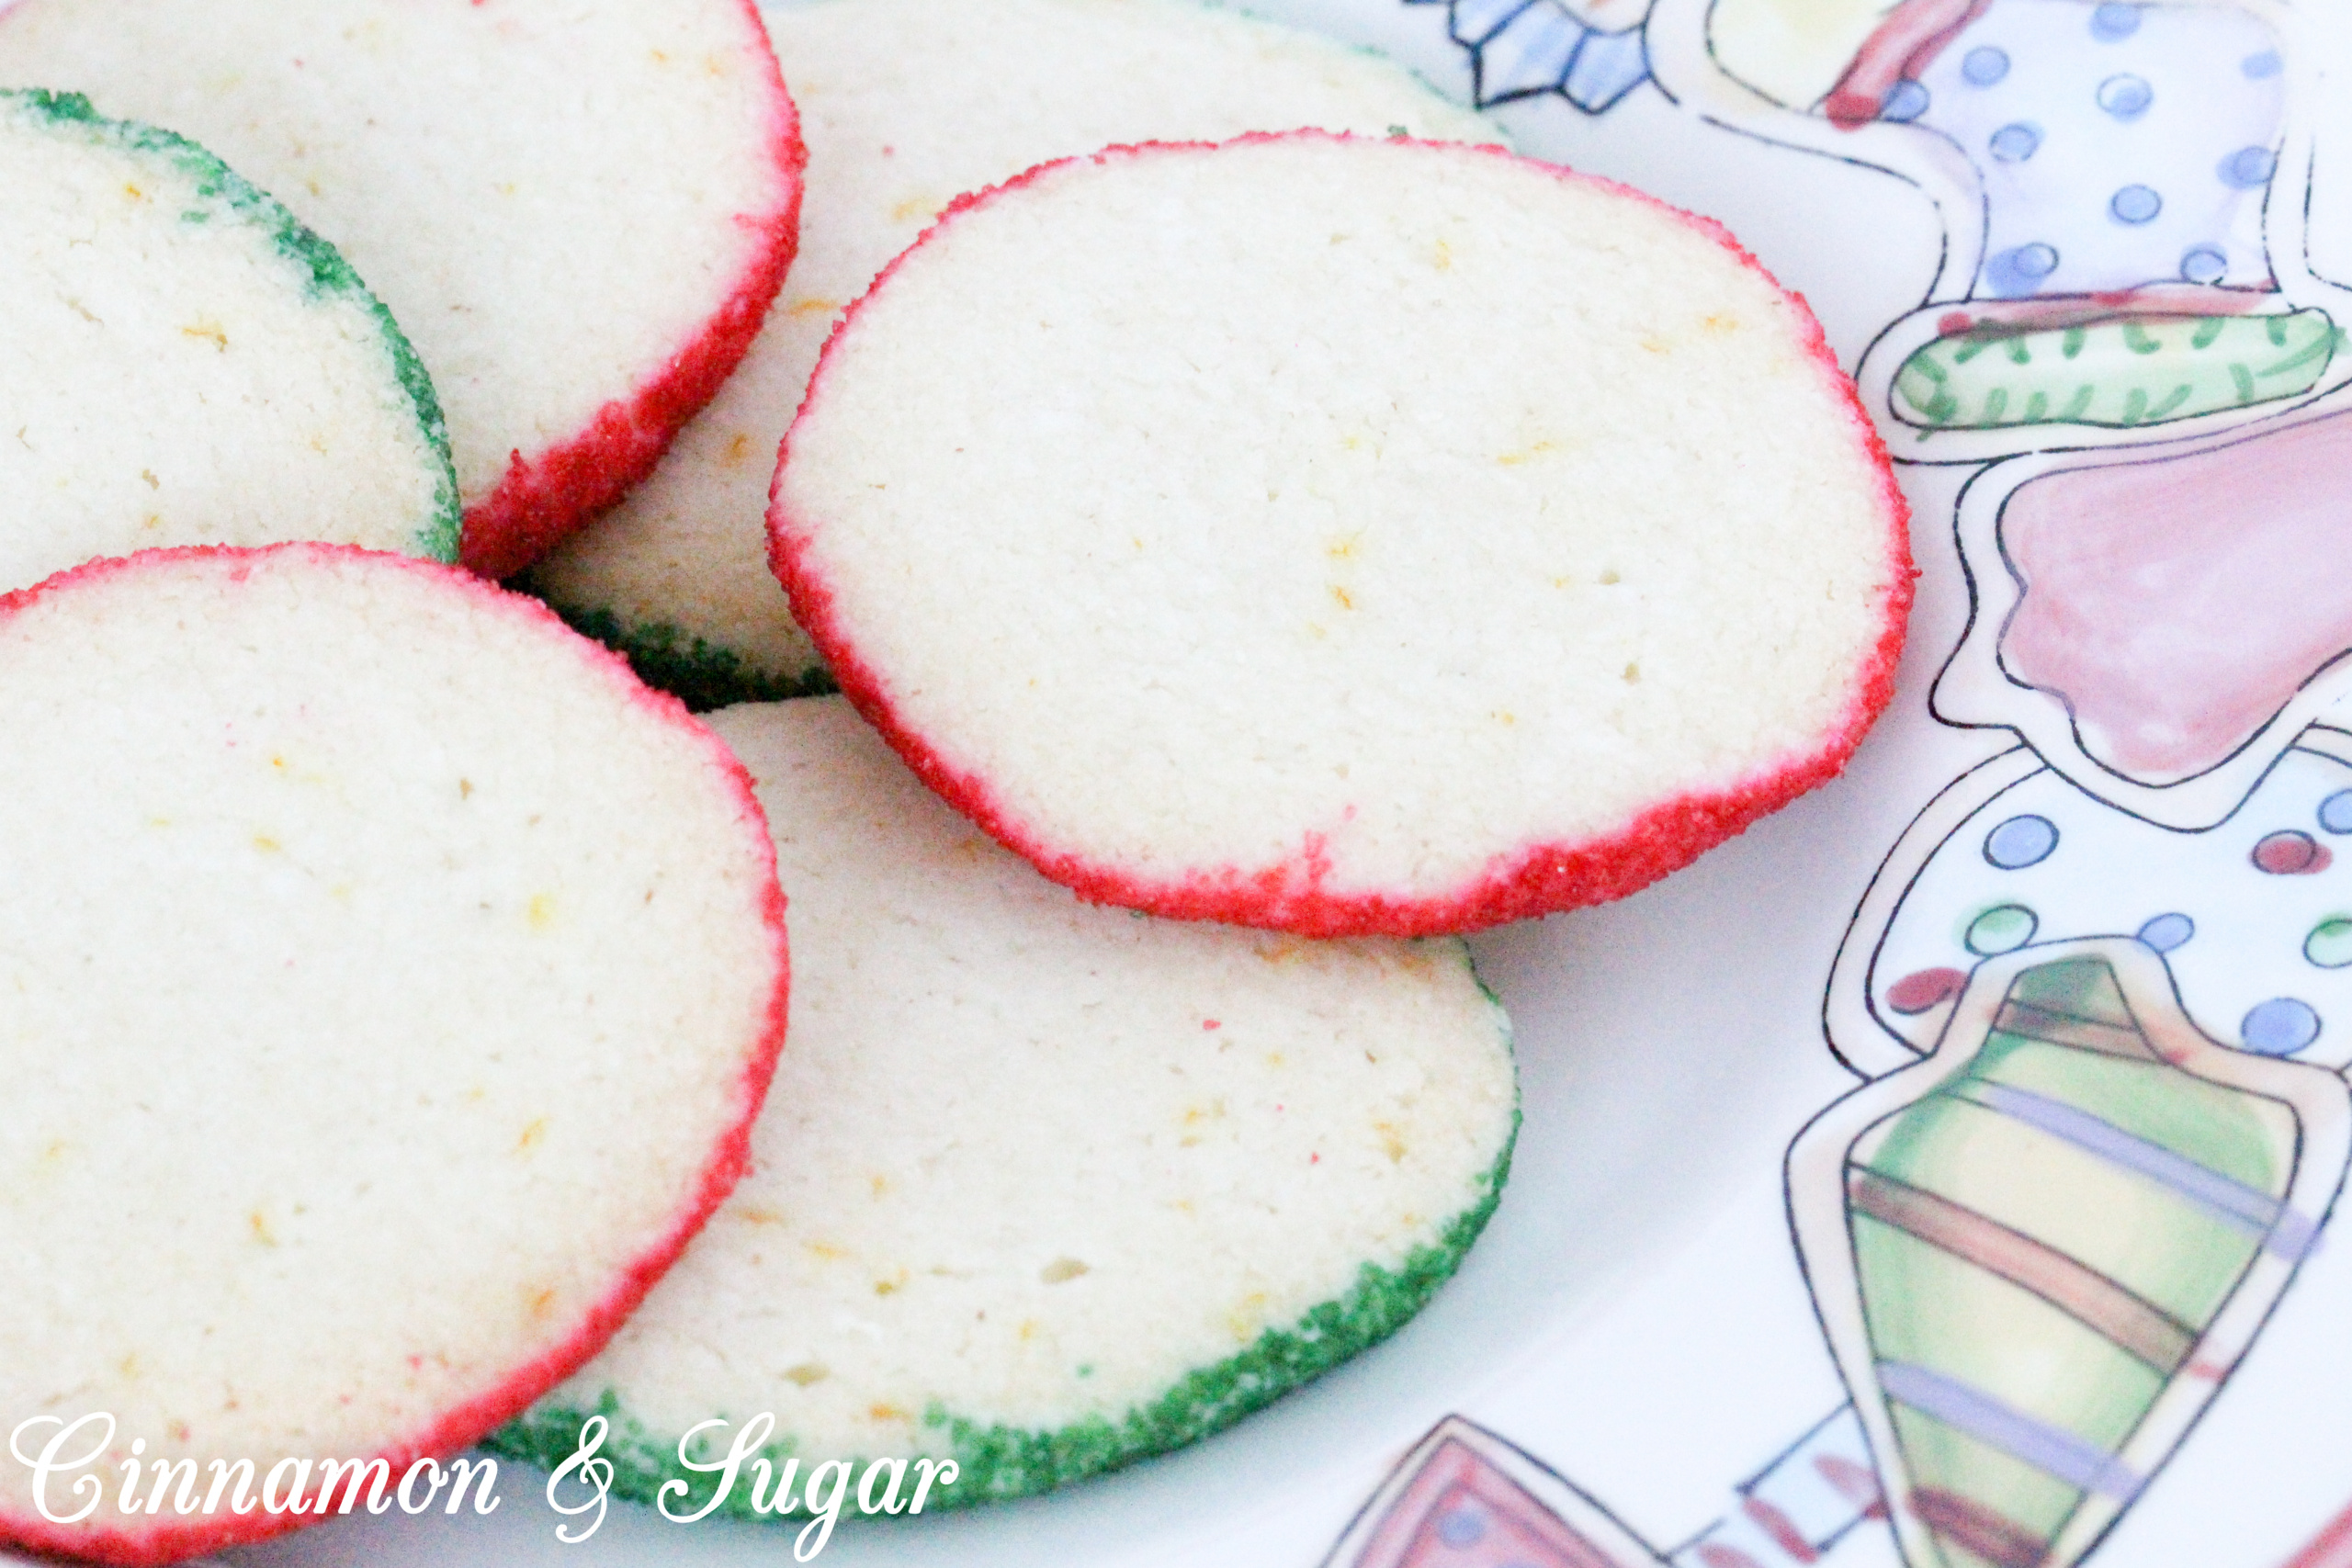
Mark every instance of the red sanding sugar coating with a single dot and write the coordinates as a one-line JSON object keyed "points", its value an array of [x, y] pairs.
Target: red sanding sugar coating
{"points": [[170, 1537], [1295, 894], [548, 496], [543, 500]]}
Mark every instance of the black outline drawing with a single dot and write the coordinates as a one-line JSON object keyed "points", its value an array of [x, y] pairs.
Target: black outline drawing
{"points": [[1524, 48], [1759, 1531]]}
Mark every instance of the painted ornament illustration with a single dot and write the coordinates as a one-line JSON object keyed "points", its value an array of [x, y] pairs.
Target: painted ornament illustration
{"points": [[1467, 1499], [2133, 619], [2041, 1251], [1589, 52], [2101, 991], [2122, 188]]}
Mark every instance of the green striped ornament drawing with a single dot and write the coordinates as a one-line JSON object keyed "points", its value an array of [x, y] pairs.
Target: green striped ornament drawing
{"points": [[2041, 1251]]}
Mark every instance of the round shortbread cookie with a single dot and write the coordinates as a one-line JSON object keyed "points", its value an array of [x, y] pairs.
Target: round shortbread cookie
{"points": [[905, 105], [579, 213], [402, 981], [1043, 1188], [182, 363], [1343, 535]]}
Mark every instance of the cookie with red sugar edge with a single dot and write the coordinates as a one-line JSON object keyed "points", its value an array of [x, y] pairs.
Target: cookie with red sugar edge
{"points": [[401, 985], [580, 214], [904, 104], [1345, 535]]}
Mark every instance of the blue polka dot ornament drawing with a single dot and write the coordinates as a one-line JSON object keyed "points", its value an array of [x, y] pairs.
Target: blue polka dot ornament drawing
{"points": [[2253, 918], [2120, 185], [2149, 143]]}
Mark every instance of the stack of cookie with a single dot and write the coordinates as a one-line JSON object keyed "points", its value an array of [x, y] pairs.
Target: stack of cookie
{"points": [[1314, 532]]}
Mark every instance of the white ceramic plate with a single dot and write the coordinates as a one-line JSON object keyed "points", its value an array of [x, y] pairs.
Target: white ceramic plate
{"points": [[1637, 1318]]}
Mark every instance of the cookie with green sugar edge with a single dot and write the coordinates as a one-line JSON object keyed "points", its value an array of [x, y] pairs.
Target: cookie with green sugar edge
{"points": [[904, 105], [702, 674], [2119, 374], [1043, 1188], [997, 1461], [185, 363]]}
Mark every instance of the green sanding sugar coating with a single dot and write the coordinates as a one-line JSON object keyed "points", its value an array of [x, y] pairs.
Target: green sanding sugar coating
{"points": [[996, 1462], [2119, 374], [226, 193], [704, 675]]}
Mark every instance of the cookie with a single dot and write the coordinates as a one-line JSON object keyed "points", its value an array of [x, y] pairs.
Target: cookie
{"points": [[578, 279], [905, 103], [404, 982], [1041, 1187], [1344, 534], [182, 363]]}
